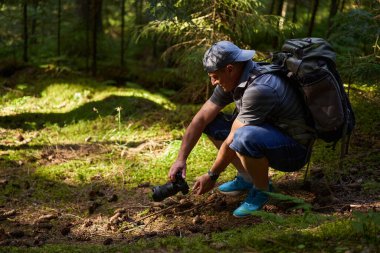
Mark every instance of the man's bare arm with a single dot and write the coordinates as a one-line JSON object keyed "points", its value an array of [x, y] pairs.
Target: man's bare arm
{"points": [[224, 157], [192, 134]]}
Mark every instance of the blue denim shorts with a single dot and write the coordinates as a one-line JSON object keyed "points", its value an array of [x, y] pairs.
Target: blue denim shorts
{"points": [[282, 152]]}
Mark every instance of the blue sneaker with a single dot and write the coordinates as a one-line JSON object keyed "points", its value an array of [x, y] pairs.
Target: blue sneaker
{"points": [[235, 187], [255, 200]]}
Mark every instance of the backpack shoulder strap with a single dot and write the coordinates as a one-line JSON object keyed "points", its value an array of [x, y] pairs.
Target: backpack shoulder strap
{"points": [[264, 68]]}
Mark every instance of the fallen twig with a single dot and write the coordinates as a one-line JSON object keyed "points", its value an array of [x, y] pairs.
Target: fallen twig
{"points": [[158, 212]]}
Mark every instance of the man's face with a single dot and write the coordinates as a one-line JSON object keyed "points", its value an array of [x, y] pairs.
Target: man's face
{"points": [[225, 78]]}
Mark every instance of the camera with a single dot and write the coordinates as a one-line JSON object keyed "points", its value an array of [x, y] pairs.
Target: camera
{"points": [[161, 192]]}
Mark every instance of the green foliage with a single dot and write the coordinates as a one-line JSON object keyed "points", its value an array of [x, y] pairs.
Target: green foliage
{"points": [[367, 225], [298, 203], [188, 29], [355, 36]]}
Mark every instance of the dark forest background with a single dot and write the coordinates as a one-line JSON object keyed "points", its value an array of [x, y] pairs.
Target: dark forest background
{"points": [[160, 43]]}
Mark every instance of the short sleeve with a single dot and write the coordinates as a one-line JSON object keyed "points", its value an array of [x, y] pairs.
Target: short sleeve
{"points": [[220, 97]]}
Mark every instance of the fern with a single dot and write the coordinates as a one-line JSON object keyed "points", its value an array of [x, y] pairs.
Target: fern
{"points": [[298, 203]]}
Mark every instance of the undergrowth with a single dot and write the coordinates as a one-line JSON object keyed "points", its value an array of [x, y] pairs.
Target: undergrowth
{"points": [[62, 138]]}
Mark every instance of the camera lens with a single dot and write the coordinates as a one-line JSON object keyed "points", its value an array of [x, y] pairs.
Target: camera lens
{"points": [[161, 192]]}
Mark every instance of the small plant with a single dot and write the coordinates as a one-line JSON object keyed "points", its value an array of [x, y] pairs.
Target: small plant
{"points": [[367, 225], [97, 112], [298, 203], [118, 118]]}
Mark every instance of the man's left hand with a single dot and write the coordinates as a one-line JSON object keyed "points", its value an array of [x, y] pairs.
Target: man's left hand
{"points": [[203, 184]]}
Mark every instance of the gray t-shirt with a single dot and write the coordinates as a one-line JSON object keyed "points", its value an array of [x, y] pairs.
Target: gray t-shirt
{"points": [[266, 99]]}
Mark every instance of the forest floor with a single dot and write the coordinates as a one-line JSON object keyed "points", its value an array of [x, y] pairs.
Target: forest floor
{"points": [[75, 171]]}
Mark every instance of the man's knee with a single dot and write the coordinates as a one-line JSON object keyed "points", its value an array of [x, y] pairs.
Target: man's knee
{"points": [[248, 137]]}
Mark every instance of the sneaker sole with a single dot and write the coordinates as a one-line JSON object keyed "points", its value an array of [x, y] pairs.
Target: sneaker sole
{"points": [[249, 214], [233, 193]]}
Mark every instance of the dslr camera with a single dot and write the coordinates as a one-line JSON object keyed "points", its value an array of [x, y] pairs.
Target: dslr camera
{"points": [[161, 192]]}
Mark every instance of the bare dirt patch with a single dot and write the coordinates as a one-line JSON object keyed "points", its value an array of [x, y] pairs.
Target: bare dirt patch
{"points": [[100, 213], [132, 215]]}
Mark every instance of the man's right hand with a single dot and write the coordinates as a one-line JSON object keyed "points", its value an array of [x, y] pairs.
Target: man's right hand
{"points": [[176, 167]]}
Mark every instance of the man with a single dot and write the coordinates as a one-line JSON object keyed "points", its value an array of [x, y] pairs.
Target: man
{"points": [[264, 132]]}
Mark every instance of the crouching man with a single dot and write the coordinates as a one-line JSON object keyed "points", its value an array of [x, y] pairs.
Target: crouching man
{"points": [[262, 133]]}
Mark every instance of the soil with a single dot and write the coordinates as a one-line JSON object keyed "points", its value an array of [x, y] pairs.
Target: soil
{"points": [[105, 215]]}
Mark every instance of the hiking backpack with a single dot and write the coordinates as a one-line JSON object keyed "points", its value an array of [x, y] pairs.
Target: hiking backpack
{"points": [[309, 64]]}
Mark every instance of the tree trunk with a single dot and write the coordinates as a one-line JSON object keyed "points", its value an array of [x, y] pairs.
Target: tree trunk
{"points": [[312, 20], [85, 15], [294, 18], [59, 9], [333, 10], [279, 7], [272, 6], [342, 6], [138, 12], [33, 39], [25, 32], [87, 23], [278, 13], [122, 33], [283, 15], [96, 19]]}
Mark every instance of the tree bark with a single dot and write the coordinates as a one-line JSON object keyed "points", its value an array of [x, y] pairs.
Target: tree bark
{"points": [[333, 10], [283, 14], [278, 13], [59, 10], [272, 6], [122, 33], [294, 17], [33, 29], [85, 15], [87, 35], [279, 7], [25, 32], [96, 19], [342, 6], [138, 12], [312, 19]]}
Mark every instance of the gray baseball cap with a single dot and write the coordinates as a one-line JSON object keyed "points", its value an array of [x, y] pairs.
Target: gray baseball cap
{"points": [[223, 53]]}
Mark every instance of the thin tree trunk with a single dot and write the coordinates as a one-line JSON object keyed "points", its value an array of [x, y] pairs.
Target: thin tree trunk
{"points": [[294, 18], [97, 28], [87, 20], [59, 28], [33, 39], [122, 33], [272, 6], [138, 10], [283, 15], [342, 6], [280, 5], [25, 32], [333, 10], [94, 15], [312, 20]]}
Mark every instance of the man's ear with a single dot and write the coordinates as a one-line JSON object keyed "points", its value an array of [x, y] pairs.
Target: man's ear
{"points": [[229, 67]]}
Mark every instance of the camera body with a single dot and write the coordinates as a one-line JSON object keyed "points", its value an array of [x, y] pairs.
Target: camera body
{"points": [[161, 192]]}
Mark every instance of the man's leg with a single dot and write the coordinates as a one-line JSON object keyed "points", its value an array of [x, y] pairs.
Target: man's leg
{"points": [[257, 169], [236, 163], [259, 147], [217, 131]]}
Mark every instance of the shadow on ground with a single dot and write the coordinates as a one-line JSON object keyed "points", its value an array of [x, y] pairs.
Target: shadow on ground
{"points": [[132, 107]]}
